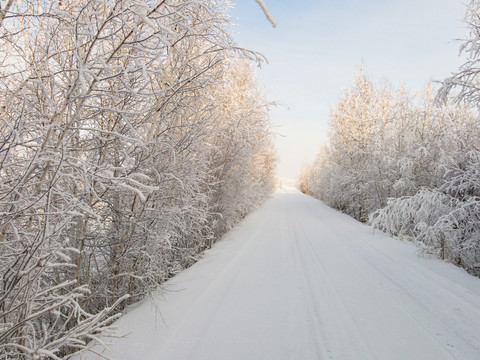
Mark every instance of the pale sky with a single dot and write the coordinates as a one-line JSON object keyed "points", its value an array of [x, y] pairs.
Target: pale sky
{"points": [[318, 45]]}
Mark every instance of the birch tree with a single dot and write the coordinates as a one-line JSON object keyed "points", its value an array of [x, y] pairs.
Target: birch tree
{"points": [[443, 217], [107, 188]]}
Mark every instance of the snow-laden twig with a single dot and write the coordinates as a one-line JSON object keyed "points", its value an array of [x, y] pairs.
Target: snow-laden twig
{"points": [[264, 8]]}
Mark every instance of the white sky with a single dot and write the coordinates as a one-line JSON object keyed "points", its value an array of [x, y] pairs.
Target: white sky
{"points": [[318, 45]]}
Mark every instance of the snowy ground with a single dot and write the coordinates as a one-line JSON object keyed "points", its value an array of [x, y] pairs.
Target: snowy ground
{"points": [[298, 280]]}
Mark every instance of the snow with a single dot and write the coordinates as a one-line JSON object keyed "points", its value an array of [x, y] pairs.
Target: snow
{"points": [[298, 280]]}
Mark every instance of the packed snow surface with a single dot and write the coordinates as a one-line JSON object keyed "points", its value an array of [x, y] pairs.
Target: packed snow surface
{"points": [[298, 280]]}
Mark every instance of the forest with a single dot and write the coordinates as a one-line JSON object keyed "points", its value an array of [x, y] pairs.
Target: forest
{"points": [[407, 163], [132, 136]]}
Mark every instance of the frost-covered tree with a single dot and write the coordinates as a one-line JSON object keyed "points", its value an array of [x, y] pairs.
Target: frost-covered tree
{"points": [[242, 154], [303, 182], [463, 85], [111, 118], [383, 144], [409, 164], [444, 216], [406, 164]]}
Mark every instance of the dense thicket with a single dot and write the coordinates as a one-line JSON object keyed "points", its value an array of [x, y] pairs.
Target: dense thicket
{"points": [[131, 137], [407, 164]]}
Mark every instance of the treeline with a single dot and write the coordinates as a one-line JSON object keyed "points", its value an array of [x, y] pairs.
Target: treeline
{"points": [[409, 164], [132, 136]]}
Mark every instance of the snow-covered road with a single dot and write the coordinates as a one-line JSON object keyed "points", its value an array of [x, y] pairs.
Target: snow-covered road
{"points": [[298, 280]]}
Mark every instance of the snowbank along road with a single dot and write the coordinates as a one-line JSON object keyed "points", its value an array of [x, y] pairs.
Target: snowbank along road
{"points": [[298, 280]]}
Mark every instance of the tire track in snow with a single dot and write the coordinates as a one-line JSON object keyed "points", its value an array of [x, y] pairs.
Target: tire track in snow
{"points": [[399, 305], [432, 277], [348, 331], [417, 299], [206, 304], [420, 275], [312, 317], [352, 242]]}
